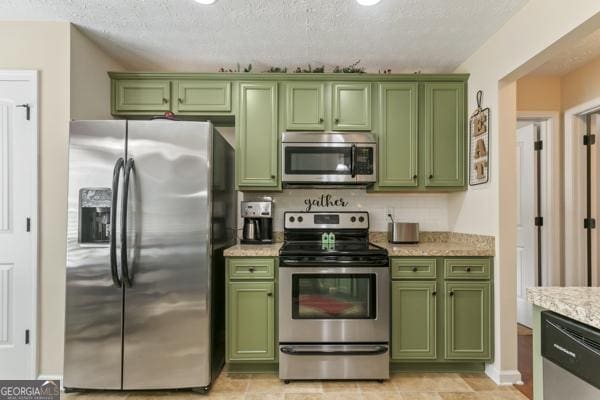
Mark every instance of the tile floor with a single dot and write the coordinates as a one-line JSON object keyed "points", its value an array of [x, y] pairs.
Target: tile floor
{"points": [[401, 386]]}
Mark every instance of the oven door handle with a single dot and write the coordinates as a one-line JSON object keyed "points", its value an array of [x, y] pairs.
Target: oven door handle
{"points": [[298, 351]]}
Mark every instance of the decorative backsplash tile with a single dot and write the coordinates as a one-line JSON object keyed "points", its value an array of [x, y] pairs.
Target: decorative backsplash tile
{"points": [[430, 210]]}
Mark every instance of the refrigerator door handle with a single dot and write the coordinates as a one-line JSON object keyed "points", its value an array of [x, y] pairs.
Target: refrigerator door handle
{"points": [[113, 222], [127, 278]]}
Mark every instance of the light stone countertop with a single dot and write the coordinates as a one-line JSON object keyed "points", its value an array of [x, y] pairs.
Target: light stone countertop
{"points": [[433, 244], [579, 303]]}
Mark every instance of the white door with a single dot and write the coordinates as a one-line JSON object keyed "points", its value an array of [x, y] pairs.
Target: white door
{"points": [[18, 191], [526, 231]]}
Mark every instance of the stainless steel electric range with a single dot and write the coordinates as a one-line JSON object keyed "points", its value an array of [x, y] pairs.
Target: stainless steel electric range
{"points": [[333, 299]]}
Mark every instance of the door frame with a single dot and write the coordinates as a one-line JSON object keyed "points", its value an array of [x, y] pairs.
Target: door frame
{"points": [[551, 258], [575, 182], [32, 76]]}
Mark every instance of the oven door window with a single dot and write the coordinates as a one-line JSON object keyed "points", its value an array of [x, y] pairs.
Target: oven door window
{"points": [[333, 296], [318, 160]]}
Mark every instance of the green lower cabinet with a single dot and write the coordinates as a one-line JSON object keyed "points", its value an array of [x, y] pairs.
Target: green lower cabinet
{"points": [[468, 320], [251, 321], [413, 320]]}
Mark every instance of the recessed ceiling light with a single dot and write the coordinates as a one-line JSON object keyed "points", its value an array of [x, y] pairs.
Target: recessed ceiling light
{"points": [[205, 2], [367, 2]]}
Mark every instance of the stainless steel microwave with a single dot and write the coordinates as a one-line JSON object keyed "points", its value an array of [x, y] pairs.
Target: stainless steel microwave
{"points": [[328, 158]]}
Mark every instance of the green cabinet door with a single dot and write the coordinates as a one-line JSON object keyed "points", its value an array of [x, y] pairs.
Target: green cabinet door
{"points": [[251, 321], [142, 95], [468, 321], [445, 133], [305, 106], [351, 106], [257, 137], [398, 136], [203, 96], [413, 320]]}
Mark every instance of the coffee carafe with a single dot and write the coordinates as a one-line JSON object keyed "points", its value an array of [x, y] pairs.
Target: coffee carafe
{"points": [[258, 222]]}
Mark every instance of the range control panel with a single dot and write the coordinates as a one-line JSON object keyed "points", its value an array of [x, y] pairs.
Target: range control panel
{"points": [[326, 220]]}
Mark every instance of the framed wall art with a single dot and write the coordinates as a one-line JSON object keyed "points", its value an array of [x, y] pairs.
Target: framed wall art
{"points": [[479, 144]]}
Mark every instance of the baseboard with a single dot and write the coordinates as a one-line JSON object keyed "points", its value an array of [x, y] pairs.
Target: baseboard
{"points": [[504, 377]]}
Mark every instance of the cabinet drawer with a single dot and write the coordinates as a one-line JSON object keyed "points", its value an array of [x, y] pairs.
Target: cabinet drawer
{"points": [[414, 268], [203, 96], [251, 268], [467, 268]]}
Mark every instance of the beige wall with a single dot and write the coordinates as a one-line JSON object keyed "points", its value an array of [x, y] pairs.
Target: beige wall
{"points": [[73, 83], [539, 93], [44, 46], [540, 30], [581, 85]]}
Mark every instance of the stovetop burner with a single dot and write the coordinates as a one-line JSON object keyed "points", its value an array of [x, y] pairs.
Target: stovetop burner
{"points": [[346, 247]]}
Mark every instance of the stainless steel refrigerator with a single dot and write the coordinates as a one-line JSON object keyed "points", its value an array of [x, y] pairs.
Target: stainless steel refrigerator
{"points": [[151, 209]]}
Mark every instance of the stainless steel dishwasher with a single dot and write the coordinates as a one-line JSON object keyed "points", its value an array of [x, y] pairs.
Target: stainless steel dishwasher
{"points": [[571, 359]]}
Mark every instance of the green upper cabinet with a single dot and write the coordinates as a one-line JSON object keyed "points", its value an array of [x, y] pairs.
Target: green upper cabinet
{"points": [[413, 320], [305, 106], [203, 96], [398, 135], [445, 132], [351, 106], [142, 95], [251, 321], [468, 321], [257, 136]]}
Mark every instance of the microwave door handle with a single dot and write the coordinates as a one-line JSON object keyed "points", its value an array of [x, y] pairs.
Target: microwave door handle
{"points": [[353, 161], [113, 223]]}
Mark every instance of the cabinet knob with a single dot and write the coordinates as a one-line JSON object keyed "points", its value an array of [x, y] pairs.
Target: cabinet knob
{"points": [[414, 269], [433, 293], [468, 269], [251, 269], [414, 176], [270, 294], [431, 176], [180, 100], [272, 176], [336, 120], [321, 120], [451, 293], [165, 101]]}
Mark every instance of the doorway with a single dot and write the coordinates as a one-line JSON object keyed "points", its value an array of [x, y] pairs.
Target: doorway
{"points": [[18, 223]]}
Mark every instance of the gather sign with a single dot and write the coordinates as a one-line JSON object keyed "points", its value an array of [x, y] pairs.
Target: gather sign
{"points": [[325, 201]]}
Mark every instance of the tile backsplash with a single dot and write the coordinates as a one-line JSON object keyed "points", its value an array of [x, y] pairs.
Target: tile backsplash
{"points": [[430, 210]]}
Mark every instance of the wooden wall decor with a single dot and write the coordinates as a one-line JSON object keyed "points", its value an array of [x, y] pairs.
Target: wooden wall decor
{"points": [[479, 144]]}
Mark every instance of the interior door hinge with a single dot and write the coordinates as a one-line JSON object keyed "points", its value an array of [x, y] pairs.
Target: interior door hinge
{"points": [[538, 221], [589, 223], [26, 336], [538, 145], [28, 224], [589, 140]]}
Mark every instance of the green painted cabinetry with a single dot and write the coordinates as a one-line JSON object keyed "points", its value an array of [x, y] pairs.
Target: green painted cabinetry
{"points": [[142, 95], [351, 106], [467, 320], [305, 106], [398, 135], [441, 317], [413, 320], [203, 96], [251, 321], [444, 134], [250, 309], [257, 139]]}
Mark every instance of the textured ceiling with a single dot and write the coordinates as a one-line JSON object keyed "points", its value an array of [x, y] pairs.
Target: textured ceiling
{"points": [[575, 57], [180, 35]]}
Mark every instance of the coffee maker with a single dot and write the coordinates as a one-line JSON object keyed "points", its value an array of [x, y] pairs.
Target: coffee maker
{"points": [[258, 222]]}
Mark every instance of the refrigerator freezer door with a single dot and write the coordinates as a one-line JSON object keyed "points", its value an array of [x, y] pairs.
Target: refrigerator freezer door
{"points": [[93, 301], [167, 318]]}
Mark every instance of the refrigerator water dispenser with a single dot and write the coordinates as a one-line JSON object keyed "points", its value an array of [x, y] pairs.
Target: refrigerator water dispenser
{"points": [[94, 215]]}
